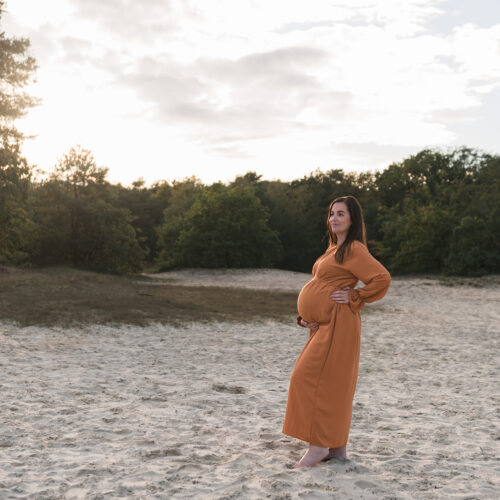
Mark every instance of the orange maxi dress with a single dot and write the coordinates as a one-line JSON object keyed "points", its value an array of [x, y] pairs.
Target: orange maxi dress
{"points": [[323, 381]]}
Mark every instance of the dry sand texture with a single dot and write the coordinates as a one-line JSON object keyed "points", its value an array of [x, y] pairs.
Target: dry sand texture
{"points": [[196, 411]]}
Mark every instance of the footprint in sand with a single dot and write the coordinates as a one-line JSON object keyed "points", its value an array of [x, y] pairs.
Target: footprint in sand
{"points": [[233, 389], [365, 484], [167, 452]]}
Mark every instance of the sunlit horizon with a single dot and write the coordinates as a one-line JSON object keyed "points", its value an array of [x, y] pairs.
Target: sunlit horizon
{"points": [[173, 89]]}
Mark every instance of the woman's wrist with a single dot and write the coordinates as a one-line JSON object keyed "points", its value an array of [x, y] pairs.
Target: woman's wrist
{"points": [[355, 301]]}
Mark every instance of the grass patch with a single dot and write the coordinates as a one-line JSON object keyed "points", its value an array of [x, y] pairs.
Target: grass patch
{"points": [[69, 297]]}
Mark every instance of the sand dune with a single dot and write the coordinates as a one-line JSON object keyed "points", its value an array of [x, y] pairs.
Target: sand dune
{"points": [[258, 279], [195, 411]]}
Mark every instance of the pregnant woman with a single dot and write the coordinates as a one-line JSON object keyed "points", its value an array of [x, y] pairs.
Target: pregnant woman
{"points": [[323, 382]]}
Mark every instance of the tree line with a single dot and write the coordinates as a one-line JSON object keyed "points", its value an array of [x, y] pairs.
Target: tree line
{"points": [[433, 212]]}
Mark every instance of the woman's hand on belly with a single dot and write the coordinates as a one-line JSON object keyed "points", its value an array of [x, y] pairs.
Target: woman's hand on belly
{"points": [[341, 296], [307, 324]]}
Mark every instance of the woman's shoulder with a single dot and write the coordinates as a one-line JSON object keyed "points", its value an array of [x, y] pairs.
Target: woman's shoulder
{"points": [[358, 249], [357, 245]]}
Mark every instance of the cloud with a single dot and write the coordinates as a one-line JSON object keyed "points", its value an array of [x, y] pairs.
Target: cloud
{"points": [[372, 153], [262, 79], [287, 60], [453, 115], [256, 96], [129, 20]]}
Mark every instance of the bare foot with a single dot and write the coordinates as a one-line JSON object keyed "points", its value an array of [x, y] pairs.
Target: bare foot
{"points": [[337, 453], [313, 455]]}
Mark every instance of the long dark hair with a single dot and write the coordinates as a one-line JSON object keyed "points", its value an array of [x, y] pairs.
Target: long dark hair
{"points": [[356, 231]]}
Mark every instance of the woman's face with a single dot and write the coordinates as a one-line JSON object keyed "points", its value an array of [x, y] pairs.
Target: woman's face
{"points": [[340, 219]]}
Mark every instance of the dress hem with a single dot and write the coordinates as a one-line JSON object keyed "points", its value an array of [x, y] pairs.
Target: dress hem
{"points": [[307, 440]]}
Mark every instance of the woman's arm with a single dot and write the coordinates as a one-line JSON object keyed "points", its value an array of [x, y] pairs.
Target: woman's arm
{"points": [[371, 272]]}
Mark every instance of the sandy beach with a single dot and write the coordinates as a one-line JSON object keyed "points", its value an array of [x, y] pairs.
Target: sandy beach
{"points": [[195, 410]]}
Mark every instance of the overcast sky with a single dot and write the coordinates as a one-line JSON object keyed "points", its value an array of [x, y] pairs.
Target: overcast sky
{"points": [[165, 89]]}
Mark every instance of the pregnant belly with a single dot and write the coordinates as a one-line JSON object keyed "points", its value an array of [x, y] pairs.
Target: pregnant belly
{"points": [[314, 303]]}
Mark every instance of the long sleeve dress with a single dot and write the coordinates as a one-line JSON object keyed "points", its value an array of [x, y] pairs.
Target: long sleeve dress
{"points": [[323, 381]]}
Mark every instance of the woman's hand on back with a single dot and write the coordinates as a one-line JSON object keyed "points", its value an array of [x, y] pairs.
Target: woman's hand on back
{"points": [[341, 296]]}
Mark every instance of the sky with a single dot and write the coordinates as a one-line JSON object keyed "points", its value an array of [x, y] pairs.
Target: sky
{"points": [[168, 89]]}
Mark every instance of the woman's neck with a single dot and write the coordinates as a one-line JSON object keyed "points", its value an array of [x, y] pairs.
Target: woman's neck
{"points": [[340, 239]]}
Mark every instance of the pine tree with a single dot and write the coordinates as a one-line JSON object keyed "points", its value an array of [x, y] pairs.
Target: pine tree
{"points": [[17, 69]]}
